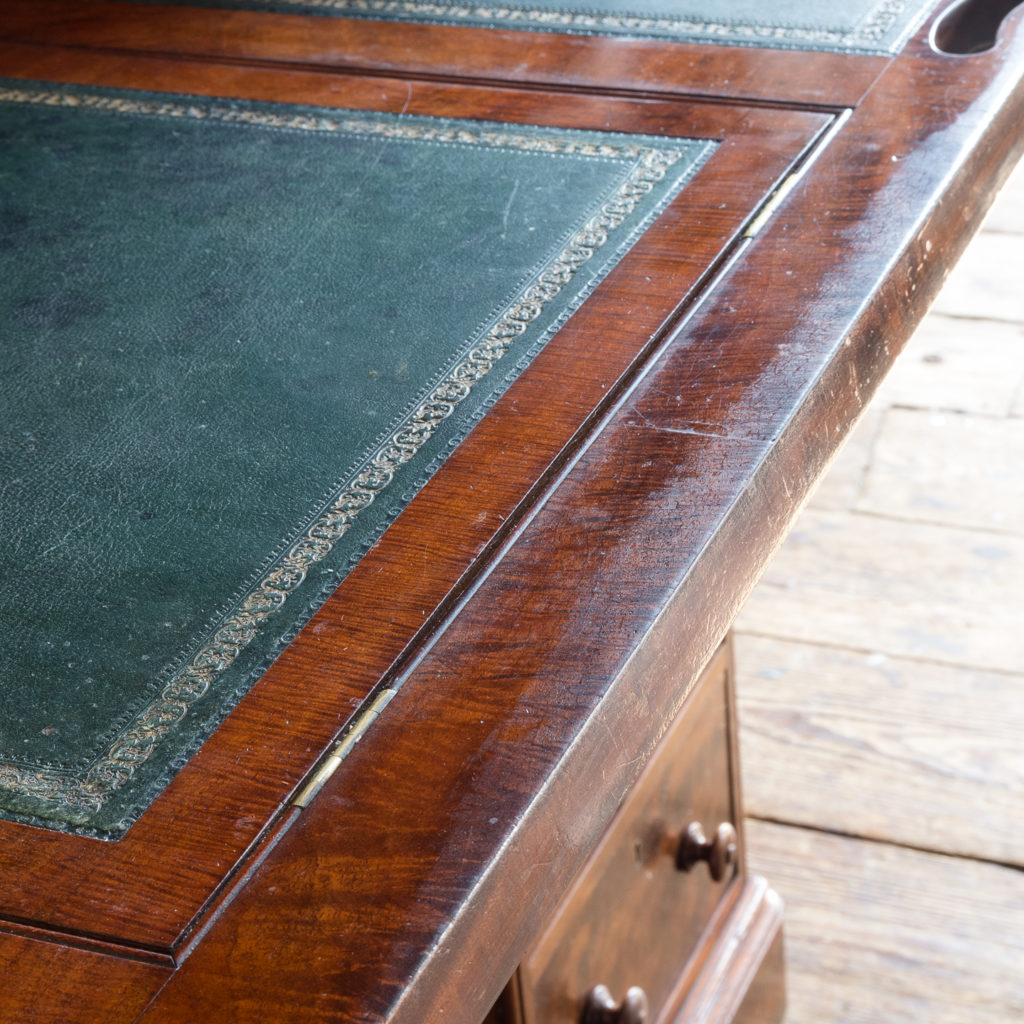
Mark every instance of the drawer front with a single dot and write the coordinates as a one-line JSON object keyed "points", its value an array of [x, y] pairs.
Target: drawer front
{"points": [[633, 917]]}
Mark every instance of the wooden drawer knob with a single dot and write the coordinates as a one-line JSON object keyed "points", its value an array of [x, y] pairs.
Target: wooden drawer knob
{"points": [[720, 851], [600, 1008]]}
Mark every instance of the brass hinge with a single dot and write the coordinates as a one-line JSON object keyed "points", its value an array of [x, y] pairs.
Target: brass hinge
{"points": [[774, 202], [776, 199], [345, 744]]}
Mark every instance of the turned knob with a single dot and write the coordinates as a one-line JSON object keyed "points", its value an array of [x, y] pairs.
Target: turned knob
{"points": [[720, 851], [600, 1008]]}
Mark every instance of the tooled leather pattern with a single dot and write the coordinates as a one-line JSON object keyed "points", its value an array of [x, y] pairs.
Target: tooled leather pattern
{"points": [[234, 335], [867, 26]]}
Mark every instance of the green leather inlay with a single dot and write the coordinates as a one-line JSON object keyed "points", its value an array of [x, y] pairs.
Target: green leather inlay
{"points": [[237, 339], [865, 26]]}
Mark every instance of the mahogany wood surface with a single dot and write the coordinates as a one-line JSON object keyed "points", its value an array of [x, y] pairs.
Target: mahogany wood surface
{"points": [[147, 889], [635, 502], [765, 999], [656, 533], [632, 917], [43, 980], [441, 51], [748, 987]]}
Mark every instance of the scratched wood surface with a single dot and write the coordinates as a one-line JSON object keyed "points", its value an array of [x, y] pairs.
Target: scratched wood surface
{"points": [[447, 832], [175, 858], [881, 681]]}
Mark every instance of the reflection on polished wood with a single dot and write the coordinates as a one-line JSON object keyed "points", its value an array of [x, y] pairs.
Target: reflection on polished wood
{"points": [[543, 637], [913, 908]]}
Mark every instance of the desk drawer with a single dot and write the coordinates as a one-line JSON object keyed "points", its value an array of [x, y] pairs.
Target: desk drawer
{"points": [[633, 917]]}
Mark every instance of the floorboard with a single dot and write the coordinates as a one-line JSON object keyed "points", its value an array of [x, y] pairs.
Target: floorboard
{"points": [[877, 934], [921, 755], [959, 365], [986, 282], [1008, 213], [880, 673], [905, 589], [911, 475]]}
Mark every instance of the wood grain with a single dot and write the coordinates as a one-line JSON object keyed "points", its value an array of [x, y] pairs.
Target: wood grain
{"points": [[950, 365], [1007, 214], [898, 750], [867, 922], [841, 486], [895, 750], [961, 365], [631, 888], [636, 545], [534, 688], [148, 888], [742, 980], [624, 578], [947, 468], [444, 52], [46, 981], [986, 282], [844, 581]]}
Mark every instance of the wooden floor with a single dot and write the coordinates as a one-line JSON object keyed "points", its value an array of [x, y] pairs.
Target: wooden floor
{"points": [[881, 681]]}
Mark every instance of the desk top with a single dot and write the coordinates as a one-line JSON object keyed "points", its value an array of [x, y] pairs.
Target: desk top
{"points": [[239, 334], [508, 635], [859, 26]]}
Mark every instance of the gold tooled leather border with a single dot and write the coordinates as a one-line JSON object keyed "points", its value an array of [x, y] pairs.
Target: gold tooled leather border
{"points": [[871, 30], [78, 796]]}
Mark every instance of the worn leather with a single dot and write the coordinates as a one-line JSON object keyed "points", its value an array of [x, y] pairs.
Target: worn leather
{"points": [[868, 26], [211, 323]]}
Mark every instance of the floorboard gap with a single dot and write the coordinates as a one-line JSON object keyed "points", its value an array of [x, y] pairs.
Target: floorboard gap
{"points": [[934, 851]]}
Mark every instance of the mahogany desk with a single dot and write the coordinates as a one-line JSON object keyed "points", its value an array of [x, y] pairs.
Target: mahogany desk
{"points": [[528, 650]]}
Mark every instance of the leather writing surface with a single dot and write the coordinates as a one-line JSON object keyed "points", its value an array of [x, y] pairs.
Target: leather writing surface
{"points": [[859, 26], [238, 337]]}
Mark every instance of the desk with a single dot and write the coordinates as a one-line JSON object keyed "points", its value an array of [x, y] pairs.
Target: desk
{"points": [[515, 648]]}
